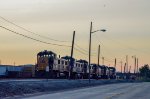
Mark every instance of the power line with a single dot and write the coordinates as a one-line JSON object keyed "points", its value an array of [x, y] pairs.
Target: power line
{"points": [[103, 45], [31, 31], [84, 50], [42, 41], [118, 43], [115, 43], [80, 51], [107, 59], [32, 38], [81, 47], [42, 37]]}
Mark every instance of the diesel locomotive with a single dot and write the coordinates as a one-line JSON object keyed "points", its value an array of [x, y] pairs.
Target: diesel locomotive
{"points": [[51, 66]]}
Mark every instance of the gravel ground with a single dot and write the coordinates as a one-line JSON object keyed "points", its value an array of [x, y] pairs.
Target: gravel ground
{"points": [[11, 88]]}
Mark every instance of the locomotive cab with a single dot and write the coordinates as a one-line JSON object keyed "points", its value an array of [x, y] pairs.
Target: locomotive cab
{"points": [[83, 68], [45, 59], [112, 73], [93, 69]]}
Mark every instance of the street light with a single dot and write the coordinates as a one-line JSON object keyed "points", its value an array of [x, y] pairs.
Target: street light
{"points": [[103, 30], [91, 32]]}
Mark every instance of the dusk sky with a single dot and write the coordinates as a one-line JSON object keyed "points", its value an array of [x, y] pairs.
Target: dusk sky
{"points": [[127, 23]]}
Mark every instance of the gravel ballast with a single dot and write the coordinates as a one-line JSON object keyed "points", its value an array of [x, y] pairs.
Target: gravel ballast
{"points": [[11, 88]]}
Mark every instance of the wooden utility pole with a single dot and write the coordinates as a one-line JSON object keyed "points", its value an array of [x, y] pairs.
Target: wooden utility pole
{"points": [[98, 54], [71, 60], [14, 63], [103, 30], [134, 65], [121, 66], [137, 65], [72, 44], [130, 69], [125, 68], [103, 60], [126, 63], [90, 52], [115, 62]]}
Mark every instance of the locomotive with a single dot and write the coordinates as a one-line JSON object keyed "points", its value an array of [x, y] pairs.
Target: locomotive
{"points": [[51, 66]]}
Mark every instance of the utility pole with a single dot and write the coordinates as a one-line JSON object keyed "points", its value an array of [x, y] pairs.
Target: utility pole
{"points": [[103, 60], [71, 60], [0, 62], [115, 62], [134, 57], [121, 66], [98, 60], [103, 30], [135, 65], [126, 63], [14, 63], [130, 69], [98, 54], [125, 68], [90, 53]]}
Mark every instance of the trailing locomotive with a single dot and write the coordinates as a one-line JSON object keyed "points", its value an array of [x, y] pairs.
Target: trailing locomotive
{"points": [[59, 67], [51, 66]]}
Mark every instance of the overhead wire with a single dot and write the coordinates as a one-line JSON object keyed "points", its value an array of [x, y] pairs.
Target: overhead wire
{"points": [[80, 47], [32, 37], [120, 59], [103, 45], [45, 37], [112, 60], [106, 59], [84, 50], [118, 43], [39, 36], [80, 51]]}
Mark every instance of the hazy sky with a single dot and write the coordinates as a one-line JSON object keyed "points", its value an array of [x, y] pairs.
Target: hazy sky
{"points": [[127, 23]]}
